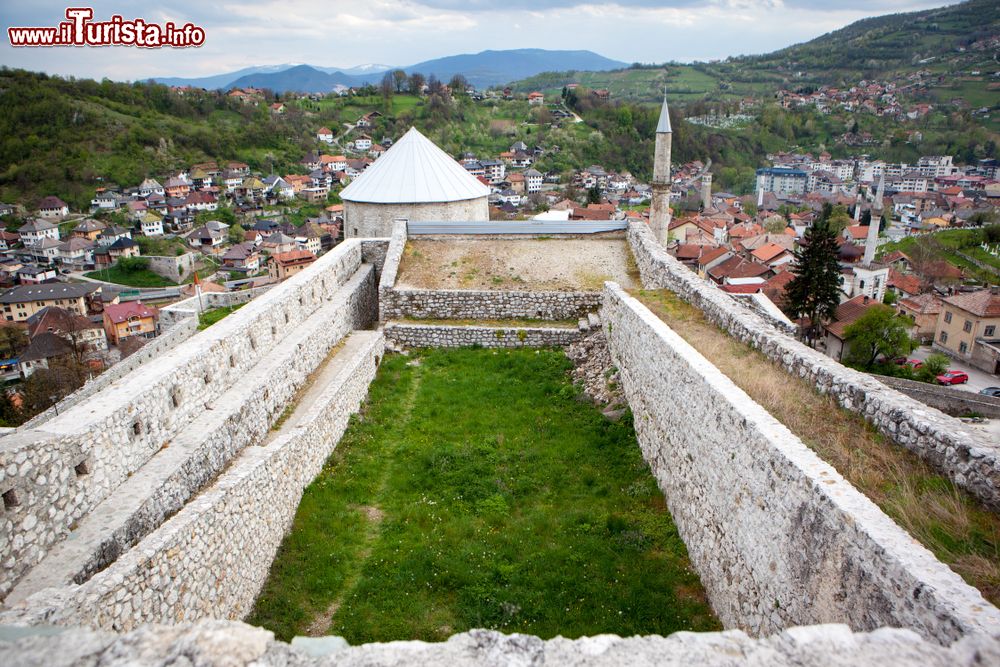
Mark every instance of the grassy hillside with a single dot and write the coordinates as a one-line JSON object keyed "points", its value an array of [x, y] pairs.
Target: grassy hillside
{"points": [[947, 41], [67, 137]]}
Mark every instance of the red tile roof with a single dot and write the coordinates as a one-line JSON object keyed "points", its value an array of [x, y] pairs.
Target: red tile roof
{"points": [[848, 313], [121, 312], [984, 303]]}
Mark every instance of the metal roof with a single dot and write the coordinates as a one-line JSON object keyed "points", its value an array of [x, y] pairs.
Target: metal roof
{"points": [[414, 171], [515, 227], [664, 124]]}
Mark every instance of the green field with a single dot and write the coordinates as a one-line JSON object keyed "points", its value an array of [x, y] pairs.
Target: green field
{"points": [[477, 490], [137, 278], [212, 315], [946, 245]]}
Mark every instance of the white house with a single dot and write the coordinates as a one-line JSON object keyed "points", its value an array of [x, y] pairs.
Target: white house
{"points": [[53, 207], [324, 134], [151, 224], [532, 181], [363, 143], [37, 230]]}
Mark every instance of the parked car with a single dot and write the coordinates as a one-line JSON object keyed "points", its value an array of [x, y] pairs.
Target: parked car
{"points": [[912, 363], [953, 377], [991, 391]]}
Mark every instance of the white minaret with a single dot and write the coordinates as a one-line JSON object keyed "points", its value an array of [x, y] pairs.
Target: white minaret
{"points": [[659, 210], [871, 242], [857, 209]]}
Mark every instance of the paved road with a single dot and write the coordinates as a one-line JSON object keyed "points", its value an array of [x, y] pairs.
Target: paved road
{"points": [[977, 379]]}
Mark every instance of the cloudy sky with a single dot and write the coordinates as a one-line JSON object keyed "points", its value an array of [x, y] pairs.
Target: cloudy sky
{"points": [[344, 34]]}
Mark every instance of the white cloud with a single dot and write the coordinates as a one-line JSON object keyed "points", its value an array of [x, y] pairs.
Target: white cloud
{"points": [[345, 32]]}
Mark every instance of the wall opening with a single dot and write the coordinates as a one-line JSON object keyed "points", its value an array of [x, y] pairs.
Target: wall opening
{"points": [[82, 468], [10, 499]]}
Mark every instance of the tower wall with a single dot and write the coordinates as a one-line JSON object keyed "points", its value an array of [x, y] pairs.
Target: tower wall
{"points": [[659, 212]]}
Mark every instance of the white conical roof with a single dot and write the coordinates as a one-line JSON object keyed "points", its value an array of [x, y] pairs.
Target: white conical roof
{"points": [[663, 126], [414, 171]]}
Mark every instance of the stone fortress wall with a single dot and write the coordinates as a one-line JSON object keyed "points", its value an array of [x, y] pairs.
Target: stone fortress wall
{"points": [[366, 220], [53, 475], [406, 335], [777, 535], [943, 441], [229, 643], [395, 304]]}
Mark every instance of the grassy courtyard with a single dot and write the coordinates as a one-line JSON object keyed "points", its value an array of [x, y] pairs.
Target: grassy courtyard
{"points": [[476, 490]]}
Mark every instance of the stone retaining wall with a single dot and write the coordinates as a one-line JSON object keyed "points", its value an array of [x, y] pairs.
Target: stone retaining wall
{"points": [[487, 305], [168, 339], [968, 459], [948, 400], [212, 558], [229, 643], [235, 420], [430, 335], [777, 535], [394, 255], [53, 475]]}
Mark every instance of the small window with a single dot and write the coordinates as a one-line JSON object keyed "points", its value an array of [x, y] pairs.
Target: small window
{"points": [[947, 317], [963, 347], [967, 327], [944, 337], [137, 428], [10, 499], [82, 468], [990, 331]]}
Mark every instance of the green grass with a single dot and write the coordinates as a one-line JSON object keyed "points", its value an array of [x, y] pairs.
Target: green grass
{"points": [[140, 278], [478, 490], [213, 315], [945, 246]]}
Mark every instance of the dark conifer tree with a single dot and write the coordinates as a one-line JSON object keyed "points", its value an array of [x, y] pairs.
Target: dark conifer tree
{"points": [[814, 292]]}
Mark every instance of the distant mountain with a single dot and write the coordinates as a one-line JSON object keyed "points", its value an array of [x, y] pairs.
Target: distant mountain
{"points": [[221, 80], [487, 68], [370, 68], [301, 78], [491, 68]]}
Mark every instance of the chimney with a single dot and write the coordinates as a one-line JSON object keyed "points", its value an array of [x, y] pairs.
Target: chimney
{"points": [[866, 298], [995, 289]]}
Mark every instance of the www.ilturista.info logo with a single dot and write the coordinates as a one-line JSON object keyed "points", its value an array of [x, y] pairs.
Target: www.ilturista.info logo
{"points": [[79, 30]]}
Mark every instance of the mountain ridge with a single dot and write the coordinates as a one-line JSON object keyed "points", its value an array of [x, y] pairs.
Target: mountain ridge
{"points": [[486, 68]]}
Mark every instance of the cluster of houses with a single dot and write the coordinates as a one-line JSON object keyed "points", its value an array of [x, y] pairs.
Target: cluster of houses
{"points": [[880, 98], [76, 321], [930, 194], [751, 256]]}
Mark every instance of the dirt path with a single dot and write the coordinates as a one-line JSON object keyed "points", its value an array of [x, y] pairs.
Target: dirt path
{"points": [[320, 625]]}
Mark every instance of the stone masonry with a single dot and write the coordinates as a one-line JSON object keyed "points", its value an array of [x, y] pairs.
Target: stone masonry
{"points": [[54, 475], [405, 335], [231, 644], [944, 442], [213, 557], [777, 535]]}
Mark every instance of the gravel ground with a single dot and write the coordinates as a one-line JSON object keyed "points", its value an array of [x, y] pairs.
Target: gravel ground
{"points": [[477, 263]]}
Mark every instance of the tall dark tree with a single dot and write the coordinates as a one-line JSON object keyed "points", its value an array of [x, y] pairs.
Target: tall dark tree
{"points": [[814, 292], [416, 83], [399, 80]]}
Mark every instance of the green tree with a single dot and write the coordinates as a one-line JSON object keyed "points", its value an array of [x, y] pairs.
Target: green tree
{"points": [[880, 332], [933, 365], [236, 234], [594, 195], [132, 264], [814, 292]]}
